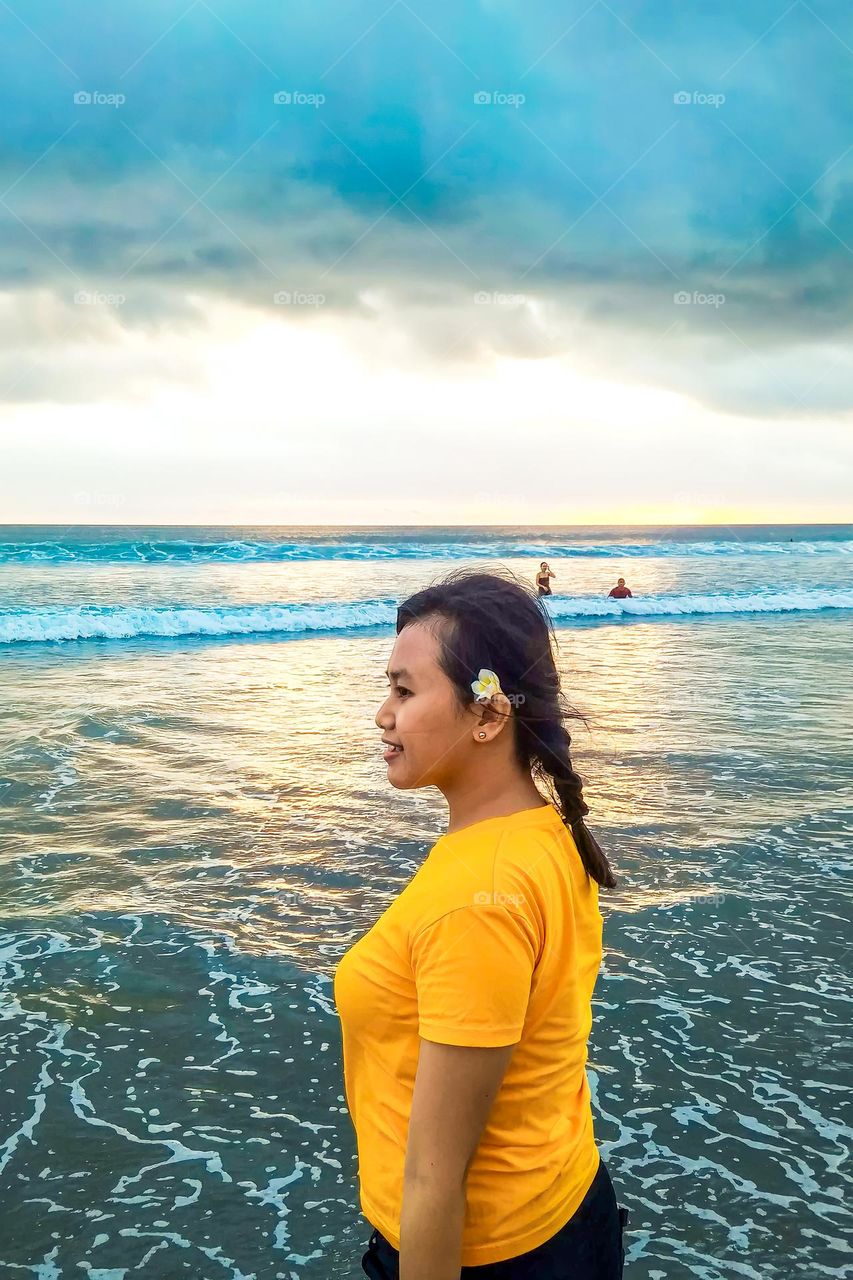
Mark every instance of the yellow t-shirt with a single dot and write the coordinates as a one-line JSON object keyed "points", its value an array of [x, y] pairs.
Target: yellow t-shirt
{"points": [[495, 940]]}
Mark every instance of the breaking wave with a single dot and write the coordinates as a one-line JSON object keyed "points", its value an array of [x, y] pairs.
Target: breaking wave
{"points": [[186, 551], [124, 622]]}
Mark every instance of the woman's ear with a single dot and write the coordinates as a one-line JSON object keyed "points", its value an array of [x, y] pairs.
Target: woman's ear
{"points": [[494, 714]]}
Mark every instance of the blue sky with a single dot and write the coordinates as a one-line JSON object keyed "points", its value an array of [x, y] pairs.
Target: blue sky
{"points": [[385, 261]]}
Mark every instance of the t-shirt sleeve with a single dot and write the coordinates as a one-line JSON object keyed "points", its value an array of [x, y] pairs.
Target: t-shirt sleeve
{"points": [[473, 969]]}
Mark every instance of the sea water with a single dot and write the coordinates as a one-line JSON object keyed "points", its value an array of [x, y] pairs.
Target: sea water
{"points": [[196, 824]]}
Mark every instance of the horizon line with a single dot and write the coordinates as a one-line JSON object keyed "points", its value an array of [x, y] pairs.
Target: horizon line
{"points": [[633, 524]]}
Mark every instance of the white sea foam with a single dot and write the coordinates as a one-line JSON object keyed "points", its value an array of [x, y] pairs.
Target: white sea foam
{"points": [[667, 606], [118, 622], [488, 546]]}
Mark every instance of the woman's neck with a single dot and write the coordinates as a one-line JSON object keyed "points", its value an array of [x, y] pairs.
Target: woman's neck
{"points": [[490, 799]]}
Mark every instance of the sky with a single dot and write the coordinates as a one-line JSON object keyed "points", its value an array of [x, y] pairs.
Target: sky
{"points": [[383, 262]]}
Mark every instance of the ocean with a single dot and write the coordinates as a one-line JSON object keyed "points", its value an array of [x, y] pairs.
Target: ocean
{"points": [[195, 826]]}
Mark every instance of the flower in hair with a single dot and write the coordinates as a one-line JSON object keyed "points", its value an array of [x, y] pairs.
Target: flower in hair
{"points": [[486, 686]]}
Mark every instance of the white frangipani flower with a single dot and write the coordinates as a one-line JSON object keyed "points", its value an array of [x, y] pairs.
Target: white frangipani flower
{"points": [[486, 686]]}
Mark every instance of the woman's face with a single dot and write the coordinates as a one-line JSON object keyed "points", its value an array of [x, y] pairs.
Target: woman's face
{"points": [[422, 714]]}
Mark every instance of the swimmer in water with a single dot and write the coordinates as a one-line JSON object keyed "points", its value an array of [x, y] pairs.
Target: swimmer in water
{"points": [[620, 591], [542, 579]]}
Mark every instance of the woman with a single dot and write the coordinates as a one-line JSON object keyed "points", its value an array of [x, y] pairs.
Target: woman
{"points": [[465, 1009], [543, 579]]}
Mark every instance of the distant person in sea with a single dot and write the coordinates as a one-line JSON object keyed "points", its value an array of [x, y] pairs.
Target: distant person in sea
{"points": [[543, 577], [620, 591]]}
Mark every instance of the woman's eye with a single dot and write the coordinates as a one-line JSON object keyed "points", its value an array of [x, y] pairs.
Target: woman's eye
{"points": [[402, 690]]}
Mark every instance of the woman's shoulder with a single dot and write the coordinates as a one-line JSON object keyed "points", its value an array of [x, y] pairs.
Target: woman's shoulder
{"points": [[496, 862]]}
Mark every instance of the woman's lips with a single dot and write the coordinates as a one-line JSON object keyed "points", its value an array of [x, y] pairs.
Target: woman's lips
{"points": [[391, 753]]}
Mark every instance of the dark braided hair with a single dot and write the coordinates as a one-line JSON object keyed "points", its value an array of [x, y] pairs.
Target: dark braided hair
{"points": [[494, 620]]}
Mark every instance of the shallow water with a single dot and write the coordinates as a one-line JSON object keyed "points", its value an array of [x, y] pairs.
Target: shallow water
{"points": [[196, 828]]}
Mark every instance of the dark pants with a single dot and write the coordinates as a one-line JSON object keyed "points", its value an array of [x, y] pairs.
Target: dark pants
{"points": [[589, 1247]]}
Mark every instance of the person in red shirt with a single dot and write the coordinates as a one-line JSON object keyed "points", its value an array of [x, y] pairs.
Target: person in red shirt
{"points": [[620, 591]]}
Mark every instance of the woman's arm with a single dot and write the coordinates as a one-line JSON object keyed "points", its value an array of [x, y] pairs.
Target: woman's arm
{"points": [[431, 1226], [455, 1087]]}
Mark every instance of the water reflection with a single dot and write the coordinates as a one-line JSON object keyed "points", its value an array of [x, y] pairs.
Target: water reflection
{"points": [[208, 828]]}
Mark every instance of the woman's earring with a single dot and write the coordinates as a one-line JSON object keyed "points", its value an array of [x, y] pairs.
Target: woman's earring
{"points": [[481, 734]]}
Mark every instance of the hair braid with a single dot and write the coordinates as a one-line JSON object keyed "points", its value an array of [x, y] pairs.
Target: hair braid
{"points": [[551, 753]]}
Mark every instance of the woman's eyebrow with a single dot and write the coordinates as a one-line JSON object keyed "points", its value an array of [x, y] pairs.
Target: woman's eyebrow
{"points": [[395, 675]]}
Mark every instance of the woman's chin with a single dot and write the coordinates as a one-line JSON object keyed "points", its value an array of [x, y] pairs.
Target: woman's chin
{"points": [[398, 775]]}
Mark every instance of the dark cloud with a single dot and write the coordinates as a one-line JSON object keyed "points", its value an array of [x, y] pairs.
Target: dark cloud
{"points": [[596, 200]]}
